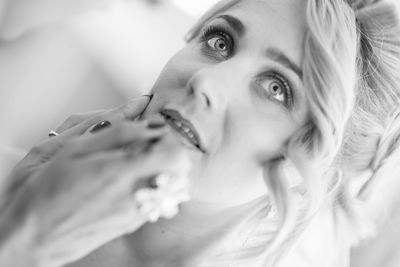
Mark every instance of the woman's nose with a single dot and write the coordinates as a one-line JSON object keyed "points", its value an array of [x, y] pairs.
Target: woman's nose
{"points": [[209, 88]]}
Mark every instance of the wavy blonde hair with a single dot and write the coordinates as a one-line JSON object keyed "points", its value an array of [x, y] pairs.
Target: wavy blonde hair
{"points": [[351, 53]]}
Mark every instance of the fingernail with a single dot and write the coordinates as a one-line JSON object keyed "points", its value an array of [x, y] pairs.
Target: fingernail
{"points": [[154, 140], [156, 124], [149, 95], [100, 125]]}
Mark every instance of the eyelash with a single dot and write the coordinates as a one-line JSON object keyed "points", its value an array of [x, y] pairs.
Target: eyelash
{"points": [[217, 31]]}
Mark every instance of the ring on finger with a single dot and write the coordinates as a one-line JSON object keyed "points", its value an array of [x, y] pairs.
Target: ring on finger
{"points": [[52, 133]]}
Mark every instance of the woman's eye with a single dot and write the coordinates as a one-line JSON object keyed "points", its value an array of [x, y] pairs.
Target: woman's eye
{"points": [[219, 45], [277, 91], [276, 88], [217, 42]]}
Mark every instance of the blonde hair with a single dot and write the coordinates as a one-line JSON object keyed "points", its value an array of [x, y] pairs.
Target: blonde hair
{"points": [[350, 56], [371, 147]]}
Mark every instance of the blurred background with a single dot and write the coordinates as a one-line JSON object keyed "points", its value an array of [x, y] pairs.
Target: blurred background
{"points": [[62, 57]]}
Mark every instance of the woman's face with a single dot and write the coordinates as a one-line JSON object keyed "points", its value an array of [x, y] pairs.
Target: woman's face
{"points": [[235, 95]]}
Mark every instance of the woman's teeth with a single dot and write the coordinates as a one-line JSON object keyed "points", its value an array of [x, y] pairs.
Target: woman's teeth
{"points": [[183, 130]]}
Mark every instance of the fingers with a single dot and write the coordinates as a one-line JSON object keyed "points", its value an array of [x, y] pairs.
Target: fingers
{"points": [[124, 134], [47, 148], [78, 124], [166, 155], [76, 119], [135, 107], [128, 111]]}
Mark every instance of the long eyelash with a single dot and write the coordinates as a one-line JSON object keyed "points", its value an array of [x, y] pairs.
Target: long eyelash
{"points": [[214, 30], [288, 88]]}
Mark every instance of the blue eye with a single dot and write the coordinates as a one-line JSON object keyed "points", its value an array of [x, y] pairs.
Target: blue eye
{"points": [[275, 87], [218, 41]]}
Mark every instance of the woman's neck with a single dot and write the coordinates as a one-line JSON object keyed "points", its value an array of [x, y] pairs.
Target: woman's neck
{"points": [[198, 228]]}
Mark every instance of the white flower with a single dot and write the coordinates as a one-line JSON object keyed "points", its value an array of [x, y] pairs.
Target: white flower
{"points": [[163, 200]]}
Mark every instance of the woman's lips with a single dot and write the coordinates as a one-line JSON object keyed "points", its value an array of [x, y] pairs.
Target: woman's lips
{"points": [[183, 127]]}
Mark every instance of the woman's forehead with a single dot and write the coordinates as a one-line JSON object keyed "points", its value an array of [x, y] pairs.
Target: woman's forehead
{"points": [[275, 12], [280, 23]]}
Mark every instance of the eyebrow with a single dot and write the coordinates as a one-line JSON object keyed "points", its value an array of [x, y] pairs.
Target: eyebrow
{"points": [[272, 53], [234, 23], [280, 57]]}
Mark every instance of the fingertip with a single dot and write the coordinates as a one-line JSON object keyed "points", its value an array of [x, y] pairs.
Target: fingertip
{"points": [[156, 124], [149, 95], [136, 106]]}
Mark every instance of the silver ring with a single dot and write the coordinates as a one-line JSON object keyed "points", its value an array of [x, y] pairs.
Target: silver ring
{"points": [[53, 133]]}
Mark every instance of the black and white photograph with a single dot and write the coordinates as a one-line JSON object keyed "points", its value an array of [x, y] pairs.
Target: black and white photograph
{"points": [[199, 133]]}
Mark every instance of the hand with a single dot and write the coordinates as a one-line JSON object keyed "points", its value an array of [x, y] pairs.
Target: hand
{"points": [[78, 194], [72, 127], [83, 198]]}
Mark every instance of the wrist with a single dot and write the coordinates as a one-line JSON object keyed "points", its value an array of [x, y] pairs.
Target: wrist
{"points": [[17, 238], [18, 231]]}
